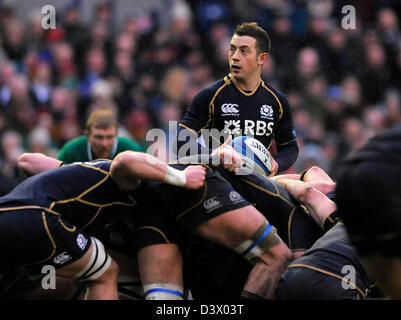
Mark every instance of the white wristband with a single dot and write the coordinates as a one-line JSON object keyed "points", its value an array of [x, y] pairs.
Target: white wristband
{"points": [[175, 177]]}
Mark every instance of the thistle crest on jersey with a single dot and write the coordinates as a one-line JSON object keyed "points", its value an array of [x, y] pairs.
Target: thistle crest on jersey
{"points": [[266, 112]]}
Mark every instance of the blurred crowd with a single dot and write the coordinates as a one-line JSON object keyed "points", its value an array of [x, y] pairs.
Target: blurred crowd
{"points": [[343, 85]]}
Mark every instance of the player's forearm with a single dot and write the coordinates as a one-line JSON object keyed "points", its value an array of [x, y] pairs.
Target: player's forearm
{"points": [[317, 203], [129, 167], [138, 165]]}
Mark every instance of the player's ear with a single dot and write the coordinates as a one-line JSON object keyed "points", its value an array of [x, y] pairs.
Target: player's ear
{"points": [[262, 58]]}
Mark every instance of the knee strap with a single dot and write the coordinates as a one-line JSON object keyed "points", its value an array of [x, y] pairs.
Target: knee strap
{"points": [[98, 264], [163, 291], [261, 241]]}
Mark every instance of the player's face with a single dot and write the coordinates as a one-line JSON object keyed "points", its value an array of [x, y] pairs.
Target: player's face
{"points": [[243, 57], [102, 141]]}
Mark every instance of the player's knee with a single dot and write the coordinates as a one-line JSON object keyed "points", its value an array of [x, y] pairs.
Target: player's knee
{"points": [[100, 267], [280, 255], [111, 274], [275, 260]]}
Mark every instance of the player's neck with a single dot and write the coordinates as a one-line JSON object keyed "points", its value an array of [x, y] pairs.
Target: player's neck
{"points": [[249, 85]]}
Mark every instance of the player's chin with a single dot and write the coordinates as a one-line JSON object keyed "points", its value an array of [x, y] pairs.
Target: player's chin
{"points": [[102, 155], [236, 74]]}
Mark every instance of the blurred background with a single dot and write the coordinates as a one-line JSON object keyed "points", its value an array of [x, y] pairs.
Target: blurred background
{"points": [[147, 59]]}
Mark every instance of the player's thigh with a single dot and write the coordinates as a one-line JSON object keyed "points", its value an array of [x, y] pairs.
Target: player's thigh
{"points": [[224, 215], [233, 227], [74, 268], [42, 241], [40, 238]]}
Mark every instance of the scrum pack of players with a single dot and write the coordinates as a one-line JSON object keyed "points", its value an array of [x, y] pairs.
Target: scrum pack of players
{"points": [[184, 222]]}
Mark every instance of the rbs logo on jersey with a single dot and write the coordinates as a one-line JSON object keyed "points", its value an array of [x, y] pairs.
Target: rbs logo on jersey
{"points": [[250, 127]]}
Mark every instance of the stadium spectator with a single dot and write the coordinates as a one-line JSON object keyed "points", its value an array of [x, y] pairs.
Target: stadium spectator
{"points": [[11, 144]]}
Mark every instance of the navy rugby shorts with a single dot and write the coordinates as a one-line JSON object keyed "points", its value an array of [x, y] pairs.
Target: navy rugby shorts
{"points": [[34, 237], [176, 209]]}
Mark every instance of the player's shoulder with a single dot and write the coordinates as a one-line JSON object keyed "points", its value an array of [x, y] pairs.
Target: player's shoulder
{"points": [[211, 89], [74, 150], [125, 143], [273, 90], [76, 142]]}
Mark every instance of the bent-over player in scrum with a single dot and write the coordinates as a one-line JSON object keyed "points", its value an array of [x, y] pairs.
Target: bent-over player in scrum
{"points": [[51, 217]]}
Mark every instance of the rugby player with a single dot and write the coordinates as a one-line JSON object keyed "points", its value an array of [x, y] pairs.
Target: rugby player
{"points": [[242, 104], [51, 218], [368, 196], [100, 140], [331, 269]]}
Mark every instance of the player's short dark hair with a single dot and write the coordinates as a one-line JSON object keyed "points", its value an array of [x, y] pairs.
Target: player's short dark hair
{"points": [[253, 30], [102, 119], [368, 194]]}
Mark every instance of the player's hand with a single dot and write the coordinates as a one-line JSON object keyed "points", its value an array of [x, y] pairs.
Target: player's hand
{"points": [[228, 156], [274, 169], [318, 204], [195, 177], [297, 189]]}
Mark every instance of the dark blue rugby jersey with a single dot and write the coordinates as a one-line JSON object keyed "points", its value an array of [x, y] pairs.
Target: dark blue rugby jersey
{"points": [[80, 192], [263, 113]]}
